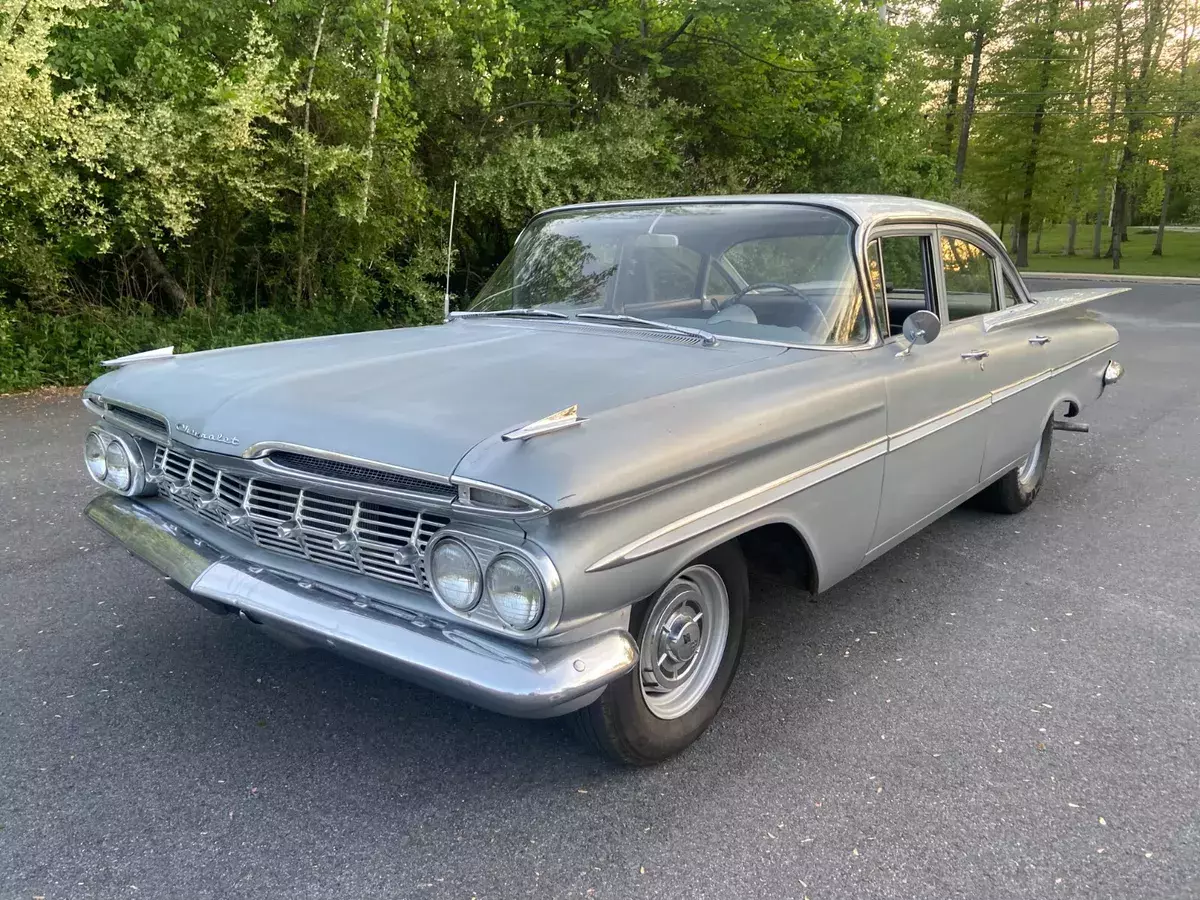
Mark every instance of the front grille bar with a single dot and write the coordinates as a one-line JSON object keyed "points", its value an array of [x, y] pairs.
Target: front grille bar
{"points": [[378, 540]]}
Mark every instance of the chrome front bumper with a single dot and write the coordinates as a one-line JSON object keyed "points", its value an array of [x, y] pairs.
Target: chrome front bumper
{"points": [[503, 676]]}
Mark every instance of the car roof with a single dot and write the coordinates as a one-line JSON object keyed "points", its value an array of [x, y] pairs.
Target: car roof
{"points": [[864, 209]]}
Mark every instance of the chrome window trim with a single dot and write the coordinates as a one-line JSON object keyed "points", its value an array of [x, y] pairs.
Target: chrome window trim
{"points": [[642, 332], [971, 236], [908, 228], [857, 249], [754, 499]]}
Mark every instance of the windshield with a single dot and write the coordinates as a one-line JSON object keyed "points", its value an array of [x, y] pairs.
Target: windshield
{"points": [[766, 271]]}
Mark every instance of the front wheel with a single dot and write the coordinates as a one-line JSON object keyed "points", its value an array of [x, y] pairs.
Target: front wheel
{"points": [[689, 639], [1018, 488]]}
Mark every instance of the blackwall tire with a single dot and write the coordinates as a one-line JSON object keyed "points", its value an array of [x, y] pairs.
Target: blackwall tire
{"points": [[659, 708], [1020, 487]]}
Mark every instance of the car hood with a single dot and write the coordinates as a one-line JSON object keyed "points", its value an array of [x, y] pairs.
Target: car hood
{"points": [[415, 397]]}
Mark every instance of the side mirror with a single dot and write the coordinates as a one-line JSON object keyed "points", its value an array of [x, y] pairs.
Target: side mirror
{"points": [[922, 327]]}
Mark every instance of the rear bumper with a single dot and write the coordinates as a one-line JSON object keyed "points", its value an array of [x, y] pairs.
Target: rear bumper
{"points": [[502, 676]]}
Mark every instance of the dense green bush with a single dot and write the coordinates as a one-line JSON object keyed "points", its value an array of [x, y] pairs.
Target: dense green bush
{"points": [[39, 348]]}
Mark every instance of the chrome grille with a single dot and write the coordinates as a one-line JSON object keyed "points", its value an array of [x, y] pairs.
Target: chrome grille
{"points": [[379, 540]]}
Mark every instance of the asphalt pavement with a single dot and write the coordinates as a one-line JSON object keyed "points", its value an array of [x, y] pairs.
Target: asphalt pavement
{"points": [[1000, 707]]}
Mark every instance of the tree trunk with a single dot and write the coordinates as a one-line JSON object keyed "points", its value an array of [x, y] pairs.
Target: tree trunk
{"points": [[1102, 198], [952, 106], [1073, 221], [374, 122], [964, 131], [308, 83], [1169, 177], [1121, 203], [1031, 159], [1162, 214], [163, 278], [1037, 243], [1137, 95]]}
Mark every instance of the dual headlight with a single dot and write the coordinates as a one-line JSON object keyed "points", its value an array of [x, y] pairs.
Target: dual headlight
{"points": [[114, 462], [510, 583]]}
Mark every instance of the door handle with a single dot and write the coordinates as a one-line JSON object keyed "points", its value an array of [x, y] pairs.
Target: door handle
{"points": [[976, 354], [1039, 339]]}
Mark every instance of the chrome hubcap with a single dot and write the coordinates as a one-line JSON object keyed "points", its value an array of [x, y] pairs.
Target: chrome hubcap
{"points": [[683, 641]]}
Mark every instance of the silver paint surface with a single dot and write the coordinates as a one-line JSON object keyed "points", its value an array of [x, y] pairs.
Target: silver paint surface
{"points": [[684, 446]]}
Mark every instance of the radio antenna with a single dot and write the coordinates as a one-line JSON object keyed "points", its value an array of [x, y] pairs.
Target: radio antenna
{"points": [[450, 250]]}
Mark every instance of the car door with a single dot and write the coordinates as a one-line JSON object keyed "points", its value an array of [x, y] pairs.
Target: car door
{"points": [[936, 393], [1018, 360]]}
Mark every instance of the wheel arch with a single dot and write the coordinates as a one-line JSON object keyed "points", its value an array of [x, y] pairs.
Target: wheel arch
{"points": [[781, 548]]}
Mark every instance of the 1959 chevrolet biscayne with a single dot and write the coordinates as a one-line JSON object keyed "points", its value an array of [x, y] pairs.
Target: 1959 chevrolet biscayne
{"points": [[547, 505]]}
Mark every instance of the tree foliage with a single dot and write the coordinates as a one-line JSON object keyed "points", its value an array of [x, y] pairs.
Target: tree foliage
{"points": [[160, 157]]}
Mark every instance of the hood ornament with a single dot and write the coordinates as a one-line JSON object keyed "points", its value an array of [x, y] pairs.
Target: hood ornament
{"points": [[565, 418], [144, 356]]}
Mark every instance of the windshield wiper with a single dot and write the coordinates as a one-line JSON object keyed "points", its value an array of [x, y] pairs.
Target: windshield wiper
{"points": [[707, 337], [515, 311]]}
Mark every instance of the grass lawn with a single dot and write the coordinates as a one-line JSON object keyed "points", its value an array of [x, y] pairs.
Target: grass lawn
{"points": [[1181, 252]]}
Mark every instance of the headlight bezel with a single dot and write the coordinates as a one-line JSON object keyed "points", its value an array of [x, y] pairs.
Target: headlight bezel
{"points": [[133, 454], [487, 545]]}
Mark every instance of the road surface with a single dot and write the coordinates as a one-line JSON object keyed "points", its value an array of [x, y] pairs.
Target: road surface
{"points": [[1000, 707]]}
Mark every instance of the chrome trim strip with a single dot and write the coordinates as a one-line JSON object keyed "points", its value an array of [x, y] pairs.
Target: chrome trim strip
{"points": [[536, 506], [1017, 386], [98, 405], [357, 488], [937, 423], [743, 504], [695, 524], [501, 675], [263, 448]]}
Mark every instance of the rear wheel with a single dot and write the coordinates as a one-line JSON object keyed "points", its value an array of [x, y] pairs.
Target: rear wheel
{"points": [[689, 639], [1018, 488]]}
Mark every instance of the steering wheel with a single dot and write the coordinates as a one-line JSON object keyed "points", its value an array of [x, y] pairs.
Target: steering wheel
{"points": [[786, 288]]}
